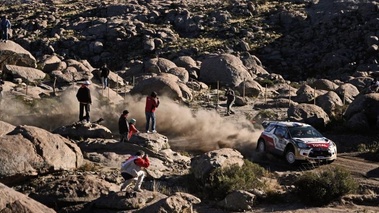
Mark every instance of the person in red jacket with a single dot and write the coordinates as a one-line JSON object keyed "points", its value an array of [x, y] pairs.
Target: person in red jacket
{"points": [[132, 169], [132, 128], [152, 102]]}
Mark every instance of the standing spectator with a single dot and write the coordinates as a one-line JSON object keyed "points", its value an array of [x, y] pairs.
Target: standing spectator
{"points": [[152, 102], [230, 96], [131, 170], [84, 97], [104, 75], [123, 126], [132, 128], [5, 27]]}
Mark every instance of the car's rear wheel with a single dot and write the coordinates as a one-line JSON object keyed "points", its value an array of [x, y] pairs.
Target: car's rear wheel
{"points": [[261, 146], [290, 156]]}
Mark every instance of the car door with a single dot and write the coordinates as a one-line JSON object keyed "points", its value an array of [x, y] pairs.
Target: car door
{"points": [[282, 137]]}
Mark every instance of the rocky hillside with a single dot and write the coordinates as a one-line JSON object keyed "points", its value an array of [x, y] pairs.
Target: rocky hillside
{"points": [[188, 52], [298, 39]]}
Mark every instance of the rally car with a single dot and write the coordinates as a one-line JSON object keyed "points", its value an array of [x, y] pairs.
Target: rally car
{"points": [[296, 142]]}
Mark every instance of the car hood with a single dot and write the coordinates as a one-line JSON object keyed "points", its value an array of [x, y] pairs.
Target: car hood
{"points": [[315, 142]]}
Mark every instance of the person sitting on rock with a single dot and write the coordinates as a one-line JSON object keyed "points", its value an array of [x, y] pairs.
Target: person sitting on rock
{"points": [[132, 128], [132, 170]]}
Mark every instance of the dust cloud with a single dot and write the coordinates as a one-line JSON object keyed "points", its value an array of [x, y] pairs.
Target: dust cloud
{"points": [[187, 130]]}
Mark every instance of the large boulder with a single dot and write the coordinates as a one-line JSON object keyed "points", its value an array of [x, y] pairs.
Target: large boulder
{"points": [[308, 113], [178, 202], [181, 72], [250, 87], [5, 128], [324, 84], [12, 53], [13, 201], [238, 200], [158, 65], [30, 151], [27, 74], [329, 102], [51, 63], [124, 201], [225, 68], [164, 85], [367, 104], [347, 92], [203, 165], [70, 189], [155, 142], [305, 94], [80, 130]]}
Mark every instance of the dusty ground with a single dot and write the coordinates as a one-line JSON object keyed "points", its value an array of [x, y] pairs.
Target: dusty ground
{"points": [[361, 166]]}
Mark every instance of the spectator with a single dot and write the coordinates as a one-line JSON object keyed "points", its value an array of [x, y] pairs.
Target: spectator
{"points": [[123, 126], [131, 170], [230, 96], [132, 128], [5, 27], [152, 102], [104, 75], [84, 97]]}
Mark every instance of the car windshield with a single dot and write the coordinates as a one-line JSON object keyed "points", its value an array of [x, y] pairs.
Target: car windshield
{"points": [[304, 132]]}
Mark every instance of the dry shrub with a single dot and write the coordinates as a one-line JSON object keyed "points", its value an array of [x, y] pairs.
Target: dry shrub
{"points": [[318, 188]]}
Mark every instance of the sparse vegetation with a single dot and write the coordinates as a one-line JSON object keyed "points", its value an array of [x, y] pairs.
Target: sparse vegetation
{"points": [[88, 167], [325, 185], [222, 181], [266, 82], [373, 147]]}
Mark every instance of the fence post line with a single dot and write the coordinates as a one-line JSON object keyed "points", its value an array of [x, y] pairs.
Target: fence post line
{"points": [[26, 89], [54, 85], [244, 88], [117, 83], [289, 95], [344, 98], [218, 87]]}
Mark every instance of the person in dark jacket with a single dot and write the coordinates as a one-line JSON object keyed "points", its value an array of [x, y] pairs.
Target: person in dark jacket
{"points": [[84, 97], [123, 126], [5, 27], [230, 98], [152, 102], [104, 75]]}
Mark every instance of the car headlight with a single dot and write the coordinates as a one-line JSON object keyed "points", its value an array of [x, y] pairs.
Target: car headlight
{"points": [[301, 144], [332, 145]]}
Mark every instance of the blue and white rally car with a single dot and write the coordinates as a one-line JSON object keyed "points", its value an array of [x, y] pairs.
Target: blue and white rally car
{"points": [[296, 142]]}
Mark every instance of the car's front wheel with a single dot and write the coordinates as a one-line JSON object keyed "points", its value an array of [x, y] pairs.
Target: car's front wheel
{"points": [[290, 156], [261, 146]]}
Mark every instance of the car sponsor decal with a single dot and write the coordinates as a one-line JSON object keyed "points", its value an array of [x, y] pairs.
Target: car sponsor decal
{"points": [[318, 145]]}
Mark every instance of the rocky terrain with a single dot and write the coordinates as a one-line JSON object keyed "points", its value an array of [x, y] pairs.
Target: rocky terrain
{"points": [[300, 60]]}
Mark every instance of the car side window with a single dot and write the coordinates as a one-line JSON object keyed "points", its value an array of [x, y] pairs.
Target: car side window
{"points": [[269, 128], [280, 132]]}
